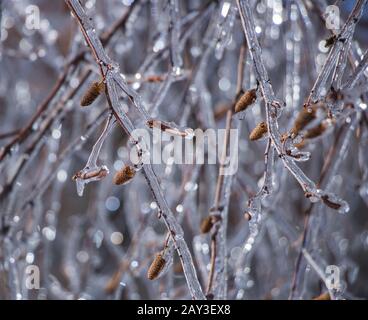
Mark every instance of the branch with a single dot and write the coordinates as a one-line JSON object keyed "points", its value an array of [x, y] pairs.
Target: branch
{"points": [[111, 70], [272, 104]]}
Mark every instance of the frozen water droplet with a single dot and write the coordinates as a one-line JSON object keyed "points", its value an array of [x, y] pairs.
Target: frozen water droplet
{"points": [[80, 187]]}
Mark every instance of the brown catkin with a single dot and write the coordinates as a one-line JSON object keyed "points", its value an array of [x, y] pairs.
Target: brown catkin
{"points": [[246, 100], [206, 224], [156, 267], [304, 117], [258, 131], [124, 175], [315, 131], [92, 93], [323, 296]]}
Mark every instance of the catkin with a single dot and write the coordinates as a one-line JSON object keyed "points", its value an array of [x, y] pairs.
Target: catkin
{"points": [[124, 175], [246, 100], [258, 131], [156, 267], [92, 93], [304, 117], [315, 131], [206, 224]]}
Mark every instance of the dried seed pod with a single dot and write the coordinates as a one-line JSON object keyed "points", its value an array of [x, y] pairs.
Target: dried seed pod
{"points": [[315, 131], [124, 175], [92, 93], [246, 100], [206, 224], [304, 117], [323, 296], [167, 127], [258, 131], [98, 173], [156, 267], [330, 41], [329, 203]]}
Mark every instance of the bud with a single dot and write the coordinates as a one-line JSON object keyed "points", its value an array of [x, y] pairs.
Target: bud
{"points": [[124, 175], [304, 117], [246, 100], [92, 93], [156, 267], [259, 131]]}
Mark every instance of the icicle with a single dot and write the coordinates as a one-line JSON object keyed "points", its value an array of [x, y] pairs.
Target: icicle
{"points": [[92, 171], [228, 13]]}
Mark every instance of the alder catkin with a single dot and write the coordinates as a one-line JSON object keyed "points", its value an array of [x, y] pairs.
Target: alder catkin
{"points": [[124, 175], [258, 131], [92, 93], [246, 100], [304, 117], [315, 131], [156, 267], [206, 224]]}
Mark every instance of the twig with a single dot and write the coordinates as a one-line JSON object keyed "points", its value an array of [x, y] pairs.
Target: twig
{"points": [[271, 103], [68, 68], [341, 41], [112, 75], [9, 134], [359, 70], [318, 270], [308, 213]]}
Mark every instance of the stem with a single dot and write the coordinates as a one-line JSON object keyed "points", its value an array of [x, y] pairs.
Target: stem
{"points": [[112, 76]]}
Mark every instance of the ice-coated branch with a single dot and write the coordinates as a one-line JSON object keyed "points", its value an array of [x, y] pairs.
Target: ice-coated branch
{"points": [[176, 60], [358, 72], [113, 78], [318, 270], [273, 106], [342, 40]]}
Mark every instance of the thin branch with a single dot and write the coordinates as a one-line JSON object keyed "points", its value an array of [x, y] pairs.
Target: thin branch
{"points": [[113, 75], [271, 102]]}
